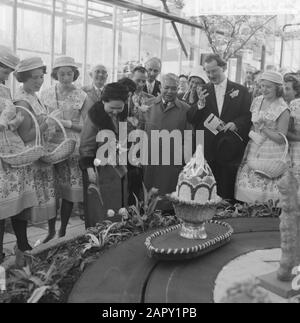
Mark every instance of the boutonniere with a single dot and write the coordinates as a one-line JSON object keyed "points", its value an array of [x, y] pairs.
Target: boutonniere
{"points": [[133, 121], [139, 103], [234, 93]]}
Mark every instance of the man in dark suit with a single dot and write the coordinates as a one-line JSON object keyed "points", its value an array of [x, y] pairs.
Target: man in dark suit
{"points": [[231, 103], [153, 67], [99, 76]]}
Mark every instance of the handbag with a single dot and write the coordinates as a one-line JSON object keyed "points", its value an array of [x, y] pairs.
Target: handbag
{"points": [[271, 169]]}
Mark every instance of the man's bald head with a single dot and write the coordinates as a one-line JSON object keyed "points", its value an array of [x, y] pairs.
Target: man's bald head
{"points": [[169, 85], [153, 66]]}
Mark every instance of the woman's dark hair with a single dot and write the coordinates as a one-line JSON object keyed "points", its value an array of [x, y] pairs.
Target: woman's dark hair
{"points": [[215, 57], [295, 81], [131, 86], [182, 75], [140, 69], [115, 91], [279, 91], [74, 69], [23, 77], [5, 66]]}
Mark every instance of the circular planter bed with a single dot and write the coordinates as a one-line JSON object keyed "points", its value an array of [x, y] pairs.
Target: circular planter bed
{"points": [[54, 269]]}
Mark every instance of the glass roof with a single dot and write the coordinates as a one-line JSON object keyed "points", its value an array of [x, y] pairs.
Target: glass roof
{"points": [[187, 8]]}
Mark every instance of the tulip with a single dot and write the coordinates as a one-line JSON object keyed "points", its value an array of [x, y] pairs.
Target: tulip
{"points": [[97, 162], [111, 213]]}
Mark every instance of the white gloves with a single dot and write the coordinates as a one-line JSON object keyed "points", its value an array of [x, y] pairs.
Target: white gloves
{"points": [[92, 175], [256, 137]]}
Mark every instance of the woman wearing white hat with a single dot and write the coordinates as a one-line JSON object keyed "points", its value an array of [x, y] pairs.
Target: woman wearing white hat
{"points": [[270, 118], [8, 62], [292, 96], [17, 191], [197, 79], [31, 73], [73, 105]]}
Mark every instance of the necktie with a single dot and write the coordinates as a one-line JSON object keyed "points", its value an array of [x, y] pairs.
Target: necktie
{"points": [[150, 88], [165, 105]]}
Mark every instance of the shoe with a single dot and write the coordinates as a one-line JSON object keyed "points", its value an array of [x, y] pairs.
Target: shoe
{"points": [[49, 237], [61, 234], [22, 257]]}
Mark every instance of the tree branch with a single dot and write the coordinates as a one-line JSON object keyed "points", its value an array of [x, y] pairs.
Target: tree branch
{"points": [[251, 35], [208, 34], [229, 42]]}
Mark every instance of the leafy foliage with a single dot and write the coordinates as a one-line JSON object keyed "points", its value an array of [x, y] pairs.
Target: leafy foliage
{"points": [[256, 210], [50, 276]]}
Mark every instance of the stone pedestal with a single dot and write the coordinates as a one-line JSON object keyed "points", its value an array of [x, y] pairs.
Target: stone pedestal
{"points": [[271, 283]]}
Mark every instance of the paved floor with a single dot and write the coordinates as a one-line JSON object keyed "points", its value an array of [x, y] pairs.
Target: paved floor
{"points": [[247, 268], [38, 233]]}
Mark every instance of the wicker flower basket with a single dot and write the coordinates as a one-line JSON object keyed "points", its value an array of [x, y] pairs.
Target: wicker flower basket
{"points": [[62, 151], [270, 168], [28, 155]]}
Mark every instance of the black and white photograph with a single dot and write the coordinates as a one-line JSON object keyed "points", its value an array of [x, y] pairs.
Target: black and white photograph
{"points": [[149, 154]]}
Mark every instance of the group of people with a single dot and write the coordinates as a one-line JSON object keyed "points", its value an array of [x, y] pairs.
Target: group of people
{"points": [[38, 192]]}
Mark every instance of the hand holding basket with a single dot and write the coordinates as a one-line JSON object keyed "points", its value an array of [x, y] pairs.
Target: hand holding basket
{"points": [[63, 150], [28, 155], [270, 168]]}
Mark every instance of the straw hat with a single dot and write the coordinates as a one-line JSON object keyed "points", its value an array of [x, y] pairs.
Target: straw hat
{"points": [[198, 71], [8, 58], [64, 61], [272, 76], [30, 64]]}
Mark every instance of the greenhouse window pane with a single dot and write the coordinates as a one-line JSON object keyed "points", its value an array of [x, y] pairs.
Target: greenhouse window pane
{"points": [[34, 27], [171, 51], [150, 46], [100, 37], [6, 25], [69, 31], [128, 39]]}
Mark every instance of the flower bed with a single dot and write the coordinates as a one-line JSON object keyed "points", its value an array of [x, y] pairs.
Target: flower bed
{"points": [[50, 275]]}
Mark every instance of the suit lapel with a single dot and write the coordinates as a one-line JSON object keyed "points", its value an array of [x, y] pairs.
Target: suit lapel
{"points": [[227, 98], [94, 94], [156, 89], [213, 99], [170, 106], [145, 89]]}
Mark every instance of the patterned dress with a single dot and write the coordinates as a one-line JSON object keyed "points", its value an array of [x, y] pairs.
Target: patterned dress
{"points": [[17, 191], [69, 175], [43, 174], [251, 187], [295, 145], [8, 110]]}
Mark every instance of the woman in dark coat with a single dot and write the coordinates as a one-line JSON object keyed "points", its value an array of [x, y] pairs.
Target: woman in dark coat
{"points": [[104, 116]]}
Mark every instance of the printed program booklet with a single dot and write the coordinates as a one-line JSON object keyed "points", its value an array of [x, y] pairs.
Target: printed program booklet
{"points": [[214, 124]]}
